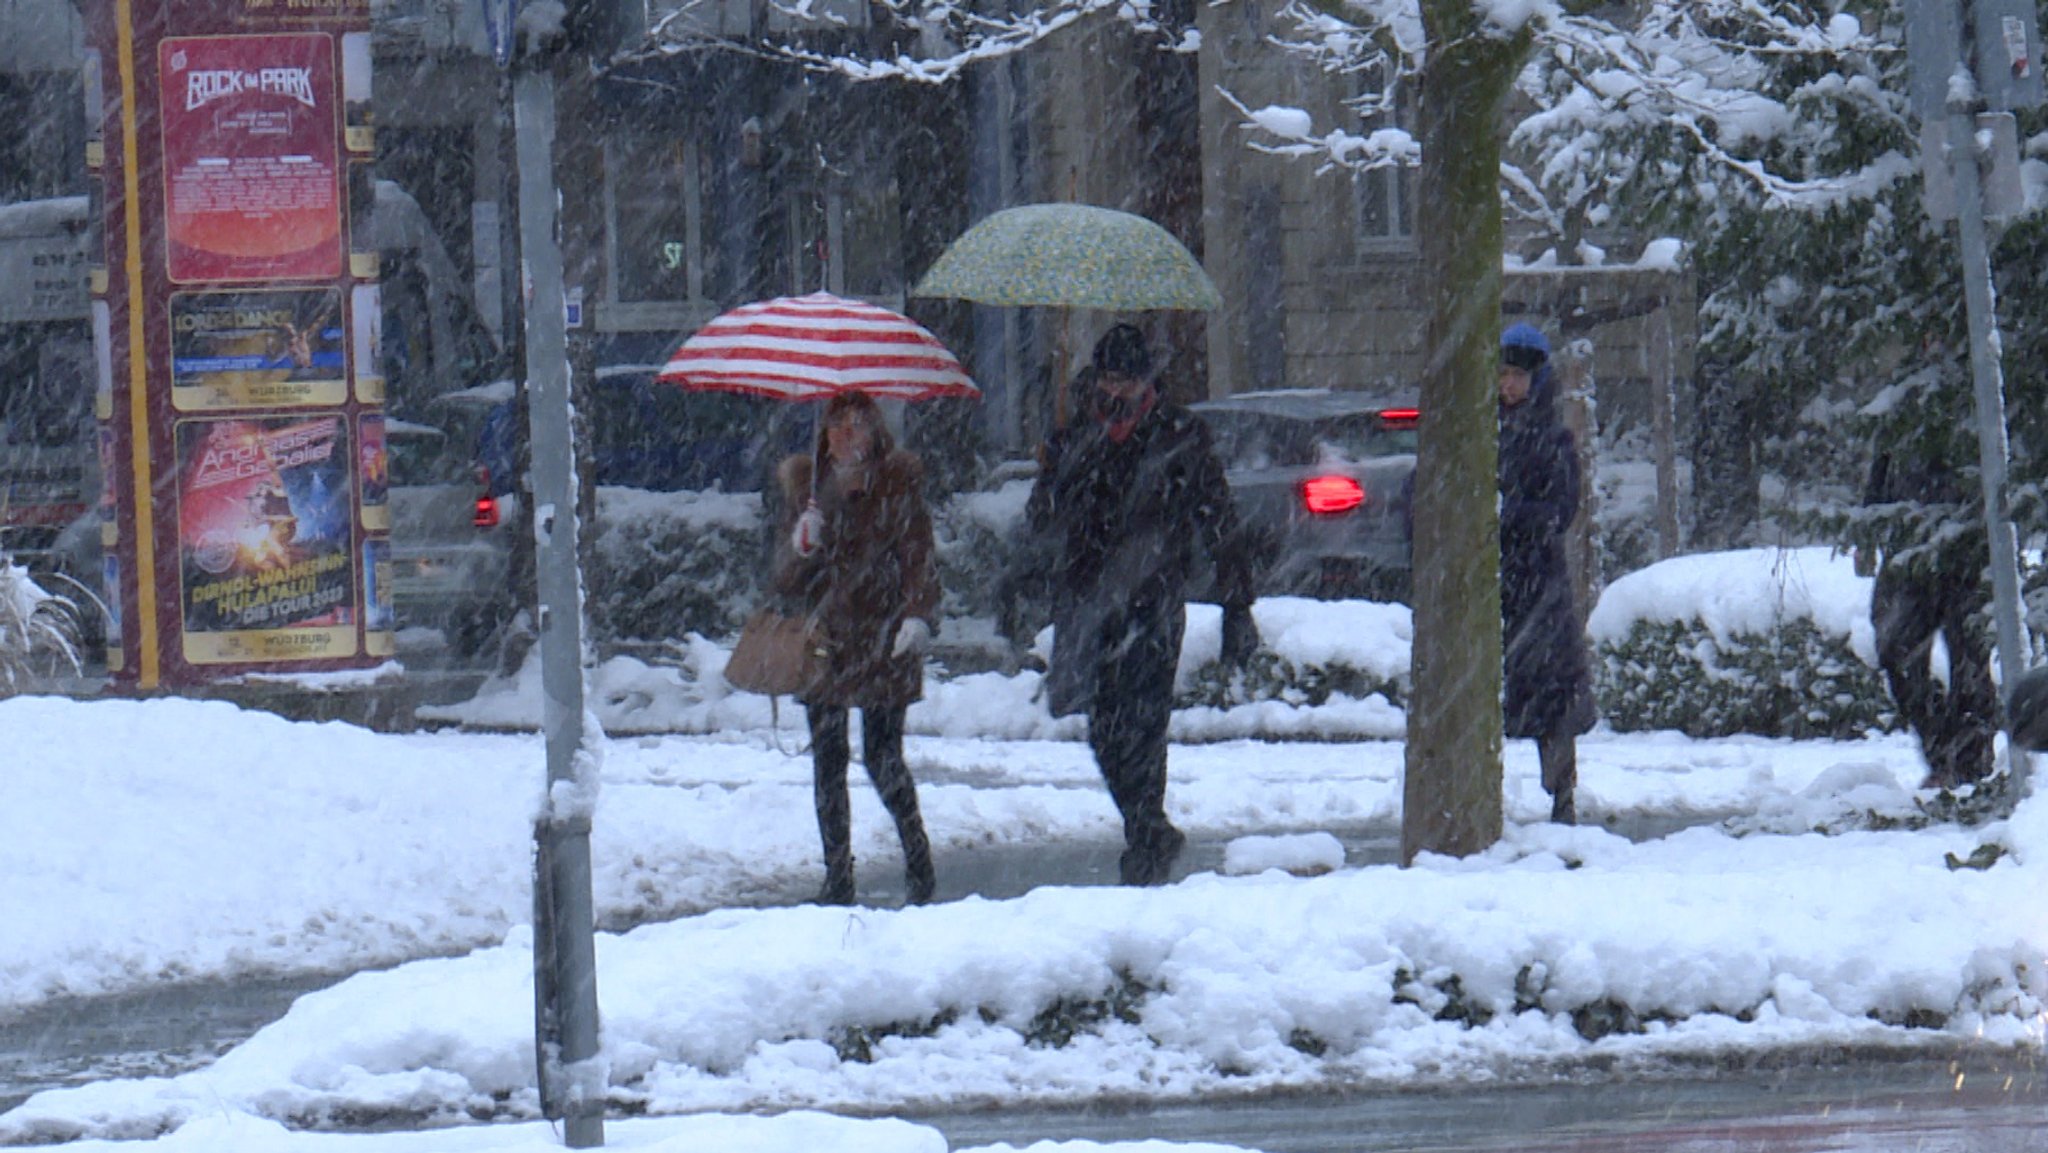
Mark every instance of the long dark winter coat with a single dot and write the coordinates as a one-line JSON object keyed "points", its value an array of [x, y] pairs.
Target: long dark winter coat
{"points": [[1935, 590], [1125, 520], [874, 570], [1547, 680]]}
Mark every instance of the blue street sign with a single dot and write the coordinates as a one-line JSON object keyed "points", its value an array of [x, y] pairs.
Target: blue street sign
{"points": [[498, 18]]}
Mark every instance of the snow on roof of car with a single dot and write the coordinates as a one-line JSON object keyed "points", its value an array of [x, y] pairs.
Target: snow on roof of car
{"points": [[496, 392], [396, 427], [1308, 403]]}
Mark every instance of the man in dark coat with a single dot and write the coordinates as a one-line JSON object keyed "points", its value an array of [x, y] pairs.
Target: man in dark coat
{"points": [[1547, 682], [1126, 494], [1928, 589]]}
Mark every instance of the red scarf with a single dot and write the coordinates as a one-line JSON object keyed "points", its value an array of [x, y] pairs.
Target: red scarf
{"points": [[1121, 430]]}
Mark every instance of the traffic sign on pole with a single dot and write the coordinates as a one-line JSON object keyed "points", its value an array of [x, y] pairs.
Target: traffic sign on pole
{"points": [[2008, 53], [498, 20]]}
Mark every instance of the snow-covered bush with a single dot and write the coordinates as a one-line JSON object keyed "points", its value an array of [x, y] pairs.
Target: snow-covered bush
{"points": [[674, 563], [1269, 676], [977, 536], [36, 629], [1794, 681], [1764, 641]]}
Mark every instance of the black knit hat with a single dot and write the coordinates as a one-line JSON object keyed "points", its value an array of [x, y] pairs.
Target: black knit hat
{"points": [[1122, 352]]}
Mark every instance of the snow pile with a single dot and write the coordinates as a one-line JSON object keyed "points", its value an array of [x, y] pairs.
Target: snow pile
{"points": [[1806, 900], [1303, 854], [787, 1133], [1745, 592], [1776, 642], [1557, 947], [691, 696]]}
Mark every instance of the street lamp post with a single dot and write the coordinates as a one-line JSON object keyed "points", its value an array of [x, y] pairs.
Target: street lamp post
{"points": [[572, 1080], [1954, 75]]}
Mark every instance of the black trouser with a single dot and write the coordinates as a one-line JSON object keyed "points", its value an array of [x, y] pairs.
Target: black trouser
{"points": [[1558, 757], [1127, 730], [1955, 725], [882, 748]]}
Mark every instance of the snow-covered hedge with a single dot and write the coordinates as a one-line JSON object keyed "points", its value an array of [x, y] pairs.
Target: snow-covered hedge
{"points": [[675, 563], [977, 535], [1774, 642]]}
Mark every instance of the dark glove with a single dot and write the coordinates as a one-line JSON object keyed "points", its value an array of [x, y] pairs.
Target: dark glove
{"points": [[1240, 635]]}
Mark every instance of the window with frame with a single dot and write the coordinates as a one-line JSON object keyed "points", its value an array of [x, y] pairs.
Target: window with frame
{"points": [[1384, 198], [848, 240], [657, 219]]}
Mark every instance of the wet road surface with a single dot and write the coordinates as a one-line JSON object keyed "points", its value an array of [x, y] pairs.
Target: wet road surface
{"points": [[1979, 1103]]}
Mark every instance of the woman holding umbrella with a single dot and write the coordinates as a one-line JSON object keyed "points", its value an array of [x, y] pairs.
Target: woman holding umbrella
{"points": [[859, 559]]}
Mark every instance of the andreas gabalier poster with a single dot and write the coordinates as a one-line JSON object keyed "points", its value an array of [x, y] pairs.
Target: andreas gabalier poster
{"points": [[265, 534]]}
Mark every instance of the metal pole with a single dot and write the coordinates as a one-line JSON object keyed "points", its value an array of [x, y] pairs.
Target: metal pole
{"points": [[565, 1001], [1989, 378]]}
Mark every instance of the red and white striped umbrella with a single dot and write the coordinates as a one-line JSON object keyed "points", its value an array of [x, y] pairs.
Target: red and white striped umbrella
{"points": [[810, 347]]}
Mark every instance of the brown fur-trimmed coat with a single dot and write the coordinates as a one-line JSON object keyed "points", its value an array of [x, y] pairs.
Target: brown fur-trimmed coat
{"points": [[874, 569]]}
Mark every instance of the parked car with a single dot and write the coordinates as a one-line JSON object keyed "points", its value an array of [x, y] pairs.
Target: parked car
{"points": [[1321, 481], [454, 524], [663, 438]]}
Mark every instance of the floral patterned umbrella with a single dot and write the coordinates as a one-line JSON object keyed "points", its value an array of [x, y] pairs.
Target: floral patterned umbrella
{"points": [[1071, 256]]}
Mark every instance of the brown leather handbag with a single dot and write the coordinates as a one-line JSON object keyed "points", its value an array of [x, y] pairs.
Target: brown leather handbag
{"points": [[774, 655]]}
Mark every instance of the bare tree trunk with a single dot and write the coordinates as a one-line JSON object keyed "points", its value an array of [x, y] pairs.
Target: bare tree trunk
{"points": [[1451, 796]]}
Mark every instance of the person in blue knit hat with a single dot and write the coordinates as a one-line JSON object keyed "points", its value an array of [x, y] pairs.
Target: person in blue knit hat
{"points": [[1547, 683]]}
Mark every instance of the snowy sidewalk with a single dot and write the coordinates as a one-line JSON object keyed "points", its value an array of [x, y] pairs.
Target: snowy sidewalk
{"points": [[246, 844]]}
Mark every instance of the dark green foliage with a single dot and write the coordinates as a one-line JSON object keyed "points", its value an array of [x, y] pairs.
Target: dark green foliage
{"points": [[1990, 800], [973, 560], [665, 577], [1307, 1043], [1821, 283], [1059, 1023], [857, 1042], [1271, 677], [1605, 1018], [1795, 682], [662, 572], [1983, 857], [1443, 997], [1912, 1018]]}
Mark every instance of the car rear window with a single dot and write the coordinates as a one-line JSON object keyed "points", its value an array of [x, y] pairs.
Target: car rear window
{"points": [[1363, 438], [1253, 441], [420, 455]]}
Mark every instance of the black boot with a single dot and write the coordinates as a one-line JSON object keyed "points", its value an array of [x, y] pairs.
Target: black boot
{"points": [[838, 889], [1150, 861], [921, 884], [1564, 808], [1559, 757]]}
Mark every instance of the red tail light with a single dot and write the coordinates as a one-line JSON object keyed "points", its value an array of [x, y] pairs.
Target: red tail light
{"points": [[486, 515], [1326, 495], [1400, 417]]}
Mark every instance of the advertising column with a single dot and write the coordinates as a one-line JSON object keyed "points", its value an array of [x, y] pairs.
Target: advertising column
{"points": [[243, 409]]}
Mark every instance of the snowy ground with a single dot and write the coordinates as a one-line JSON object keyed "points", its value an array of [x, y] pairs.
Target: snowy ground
{"points": [[170, 840]]}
